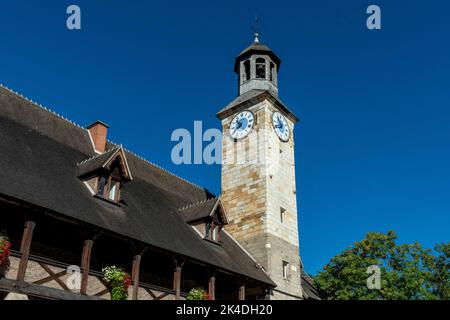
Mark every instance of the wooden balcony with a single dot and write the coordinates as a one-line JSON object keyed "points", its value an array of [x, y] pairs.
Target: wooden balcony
{"points": [[48, 279]]}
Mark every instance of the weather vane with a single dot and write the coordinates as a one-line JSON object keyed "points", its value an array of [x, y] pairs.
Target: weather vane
{"points": [[255, 29]]}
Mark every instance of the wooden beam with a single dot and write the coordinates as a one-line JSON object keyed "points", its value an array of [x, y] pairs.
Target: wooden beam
{"points": [[135, 275], [242, 292], [85, 265], [212, 287], [25, 250], [53, 276], [177, 282], [178, 263], [35, 290]]}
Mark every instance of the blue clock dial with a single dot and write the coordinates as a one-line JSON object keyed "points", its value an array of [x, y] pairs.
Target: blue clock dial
{"points": [[281, 126], [242, 124]]}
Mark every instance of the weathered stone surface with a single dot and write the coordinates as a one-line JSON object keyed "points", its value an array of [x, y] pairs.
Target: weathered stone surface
{"points": [[16, 296], [255, 191]]}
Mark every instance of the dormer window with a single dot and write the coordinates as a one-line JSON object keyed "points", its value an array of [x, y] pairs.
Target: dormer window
{"points": [[207, 217], [105, 174], [207, 230], [212, 231], [215, 234], [108, 188], [113, 193]]}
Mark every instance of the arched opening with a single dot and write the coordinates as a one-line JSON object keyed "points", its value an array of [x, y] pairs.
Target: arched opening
{"points": [[272, 71], [246, 75], [260, 68]]}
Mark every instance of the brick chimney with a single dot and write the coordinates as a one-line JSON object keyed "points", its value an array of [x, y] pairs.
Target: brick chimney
{"points": [[98, 131]]}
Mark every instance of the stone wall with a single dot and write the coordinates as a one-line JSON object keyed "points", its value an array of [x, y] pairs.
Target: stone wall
{"points": [[256, 190]]}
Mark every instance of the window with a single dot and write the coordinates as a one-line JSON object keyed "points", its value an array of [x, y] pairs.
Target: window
{"points": [[108, 188], [282, 215], [113, 191], [212, 231], [214, 234], [101, 186], [207, 229], [246, 70], [285, 270], [260, 68]]}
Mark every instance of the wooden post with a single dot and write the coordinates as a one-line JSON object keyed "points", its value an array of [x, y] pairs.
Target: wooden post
{"points": [[135, 275], [25, 250], [86, 264], [242, 292], [177, 282], [212, 287]]}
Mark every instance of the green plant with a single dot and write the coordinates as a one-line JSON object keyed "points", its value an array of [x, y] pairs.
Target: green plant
{"points": [[197, 294], [407, 271], [118, 282]]}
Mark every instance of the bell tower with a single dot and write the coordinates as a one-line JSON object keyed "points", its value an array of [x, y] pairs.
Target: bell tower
{"points": [[258, 170], [257, 68]]}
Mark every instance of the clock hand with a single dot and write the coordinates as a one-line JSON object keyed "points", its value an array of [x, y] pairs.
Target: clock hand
{"points": [[279, 125], [239, 124]]}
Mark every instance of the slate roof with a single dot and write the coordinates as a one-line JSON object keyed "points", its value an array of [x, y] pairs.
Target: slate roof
{"points": [[54, 146], [254, 48], [94, 163], [309, 291], [252, 97], [199, 210]]}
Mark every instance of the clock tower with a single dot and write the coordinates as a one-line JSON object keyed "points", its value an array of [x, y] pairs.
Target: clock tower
{"points": [[258, 171]]}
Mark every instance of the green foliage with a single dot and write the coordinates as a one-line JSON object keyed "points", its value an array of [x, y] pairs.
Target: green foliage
{"points": [[441, 272], [118, 282], [408, 272], [196, 294]]}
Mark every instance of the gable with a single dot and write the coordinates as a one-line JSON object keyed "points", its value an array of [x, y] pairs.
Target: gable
{"points": [[113, 160], [205, 210]]}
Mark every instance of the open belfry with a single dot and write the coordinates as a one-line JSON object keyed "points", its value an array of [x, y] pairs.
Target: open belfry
{"points": [[258, 171]]}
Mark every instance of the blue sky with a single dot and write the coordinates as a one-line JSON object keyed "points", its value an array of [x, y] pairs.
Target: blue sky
{"points": [[372, 145]]}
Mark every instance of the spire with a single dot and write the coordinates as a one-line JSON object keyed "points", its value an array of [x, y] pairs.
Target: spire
{"points": [[256, 34], [255, 29]]}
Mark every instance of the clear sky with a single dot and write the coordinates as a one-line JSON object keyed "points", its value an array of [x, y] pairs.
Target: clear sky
{"points": [[373, 142]]}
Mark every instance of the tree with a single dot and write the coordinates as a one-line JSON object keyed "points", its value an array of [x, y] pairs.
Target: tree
{"points": [[408, 272], [441, 272]]}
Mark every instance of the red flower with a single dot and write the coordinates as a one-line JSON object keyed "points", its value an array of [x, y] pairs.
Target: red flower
{"points": [[5, 246], [206, 296], [126, 281]]}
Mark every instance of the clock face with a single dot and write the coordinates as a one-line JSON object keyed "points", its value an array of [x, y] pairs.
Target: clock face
{"points": [[242, 124], [281, 126]]}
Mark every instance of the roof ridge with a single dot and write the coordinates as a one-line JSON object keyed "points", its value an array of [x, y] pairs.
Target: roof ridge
{"points": [[83, 128], [41, 106], [98, 155], [197, 203], [158, 166]]}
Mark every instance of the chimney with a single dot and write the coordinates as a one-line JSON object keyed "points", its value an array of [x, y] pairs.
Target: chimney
{"points": [[98, 131]]}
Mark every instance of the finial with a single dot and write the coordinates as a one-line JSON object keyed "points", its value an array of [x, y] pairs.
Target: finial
{"points": [[255, 29]]}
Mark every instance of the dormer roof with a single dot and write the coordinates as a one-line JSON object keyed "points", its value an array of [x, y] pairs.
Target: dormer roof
{"points": [[104, 161], [204, 209]]}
